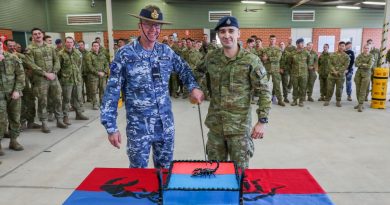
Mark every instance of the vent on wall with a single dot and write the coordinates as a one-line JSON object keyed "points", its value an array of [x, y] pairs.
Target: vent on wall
{"points": [[303, 15], [84, 19], [214, 16]]}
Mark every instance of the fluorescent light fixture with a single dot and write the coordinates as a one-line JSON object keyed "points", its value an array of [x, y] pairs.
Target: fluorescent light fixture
{"points": [[253, 2], [348, 7], [374, 3]]}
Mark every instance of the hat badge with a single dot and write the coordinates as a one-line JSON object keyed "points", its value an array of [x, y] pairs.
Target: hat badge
{"points": [[228, 22], [155, 14]]}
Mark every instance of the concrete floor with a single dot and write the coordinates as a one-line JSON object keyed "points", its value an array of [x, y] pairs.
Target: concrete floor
{"points": [[346, 151]]}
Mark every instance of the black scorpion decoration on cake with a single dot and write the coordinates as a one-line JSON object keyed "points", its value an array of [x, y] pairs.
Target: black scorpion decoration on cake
{"points": [[204, 172]]}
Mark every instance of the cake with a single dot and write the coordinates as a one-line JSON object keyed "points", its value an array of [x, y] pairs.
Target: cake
{"points": [[202, 182]]}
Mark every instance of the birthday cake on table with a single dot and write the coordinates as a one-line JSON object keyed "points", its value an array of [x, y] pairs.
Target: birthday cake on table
{"points": [[202, 182]]}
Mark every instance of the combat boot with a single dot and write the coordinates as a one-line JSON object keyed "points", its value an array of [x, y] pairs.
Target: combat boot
{"points": [[326, 103], [50, 117], [281, 103], [33, 125], [81, 116], [294, 103], [60, 124], [349, 98], [310, 99], [321, 98], [14, 145], [300, 103], [45, 129], [95, 107], [338, 103], [360, 108], [66, 120], [1, 150], [286, 100]]}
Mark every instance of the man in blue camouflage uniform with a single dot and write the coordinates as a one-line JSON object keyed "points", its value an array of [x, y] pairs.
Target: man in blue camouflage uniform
{"points": [[141, 70]]}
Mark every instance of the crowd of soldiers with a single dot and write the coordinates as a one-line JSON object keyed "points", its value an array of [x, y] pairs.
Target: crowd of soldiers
{"points": [[295, 68], [54, 79]]}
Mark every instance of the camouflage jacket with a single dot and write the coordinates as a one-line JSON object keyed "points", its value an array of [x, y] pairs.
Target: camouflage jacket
{"points": [[71, 64], [290, 48], [96, 63], [324, 64], [313, 60], [84, 66], [143, 76], [339, 62], [365, 62], [376, 53], [232, 82], [274, 56], [42, 59], [388, 56], [12, 74], [194, 57], [299, 62]]}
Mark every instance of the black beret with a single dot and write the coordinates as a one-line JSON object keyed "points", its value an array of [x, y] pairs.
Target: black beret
{"points": [[227, 21]]}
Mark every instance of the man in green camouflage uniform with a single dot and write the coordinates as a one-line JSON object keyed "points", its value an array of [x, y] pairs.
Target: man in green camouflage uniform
{"points": [[71, 80], [338, 63], [323, 71], [11, 86], [312, 75], [290, 48], [50, 105], [376, 53], [97, 65], [299, 60], [84, 72], [364, 62], [234, 73], [271, 59], [285, 71], [388, 56], [250, 45], [28, 111], [174, 79], [45, 65]]}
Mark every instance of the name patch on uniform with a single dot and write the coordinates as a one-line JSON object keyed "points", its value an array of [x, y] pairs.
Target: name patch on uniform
{"points": [[164, 58]]}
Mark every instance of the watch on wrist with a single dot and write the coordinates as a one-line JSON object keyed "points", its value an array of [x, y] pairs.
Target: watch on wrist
{"points": [[263, 120]]}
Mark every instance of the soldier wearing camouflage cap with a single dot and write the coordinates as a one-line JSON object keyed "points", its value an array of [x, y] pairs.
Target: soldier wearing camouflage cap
{"points": [[233, 74]]}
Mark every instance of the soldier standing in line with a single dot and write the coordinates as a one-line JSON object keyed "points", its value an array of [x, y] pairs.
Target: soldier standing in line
{"points": [[376, 53], [339, 62], [364, 62], [312, 75], [45, 65], [234, 74], [250, 45], [299, 60], [11, 86], [349, 74], [271, 59], [84, 72], [323, 71], [71, 80], [285, 71], [97, 66]]}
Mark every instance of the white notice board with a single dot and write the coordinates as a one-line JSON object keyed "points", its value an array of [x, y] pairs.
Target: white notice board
{"points": [[326, 39]]}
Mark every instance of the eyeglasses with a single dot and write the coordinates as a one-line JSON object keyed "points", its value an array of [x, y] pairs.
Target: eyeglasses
{"points": [[149, 26]]}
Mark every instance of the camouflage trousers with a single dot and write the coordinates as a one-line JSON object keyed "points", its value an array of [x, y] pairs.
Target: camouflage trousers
{"points": [[71, 93], [362, 81], [299, 87], [323, 85], [48, 89], [173, 84], [85, 86], [285, 80], [332, 83], [28, 111], [239, 148], [276, 80], [10, 109], [311, 79], [97, 86], [138, 148]]}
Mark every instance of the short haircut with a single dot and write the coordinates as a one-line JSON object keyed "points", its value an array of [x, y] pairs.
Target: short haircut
{"points": [[46, 37], [81, 42], [348, 43], [272, 36], [369, 40], [250, 40], [36, 29], [326, 44], [341, 42], [254, 36], [69, 37], [122, 39], [259, 39], [97, 38], [95, 42]]}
